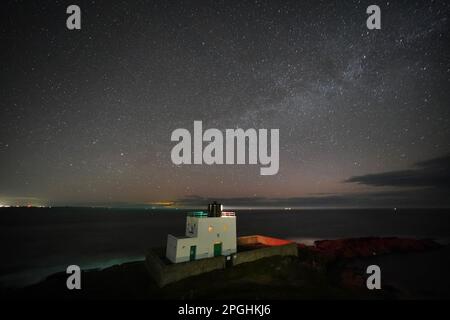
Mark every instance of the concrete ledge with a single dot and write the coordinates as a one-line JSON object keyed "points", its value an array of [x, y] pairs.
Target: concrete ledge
{"points": [[253, 255], [168, 273], [263, 240]]}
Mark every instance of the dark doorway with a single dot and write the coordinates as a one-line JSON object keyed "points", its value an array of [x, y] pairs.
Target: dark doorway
{"points": [[217, 249], [192, 253]]}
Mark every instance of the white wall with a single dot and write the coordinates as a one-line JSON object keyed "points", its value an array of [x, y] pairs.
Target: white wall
{"points": [[171, 248], [223, 229], [179, 250]]}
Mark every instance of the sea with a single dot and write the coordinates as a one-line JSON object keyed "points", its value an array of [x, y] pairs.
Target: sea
{"points": [[37, 242]]}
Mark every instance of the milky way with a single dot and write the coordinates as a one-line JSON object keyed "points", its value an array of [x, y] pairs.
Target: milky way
{"points": [[86, 116]]}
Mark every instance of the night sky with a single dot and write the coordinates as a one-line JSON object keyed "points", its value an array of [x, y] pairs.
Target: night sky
{"points": [[86, 116]]}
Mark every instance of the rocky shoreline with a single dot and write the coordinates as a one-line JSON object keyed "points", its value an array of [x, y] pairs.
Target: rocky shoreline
{"points": [[337, 256], [325, 270]]}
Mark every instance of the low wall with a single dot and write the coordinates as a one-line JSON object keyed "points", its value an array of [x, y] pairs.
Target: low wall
{"points": [[259, 239], [289, 249], [167, 273]]}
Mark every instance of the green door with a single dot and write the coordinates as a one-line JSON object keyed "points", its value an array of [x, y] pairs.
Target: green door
{"points": [[217, 249], [192, 253]]}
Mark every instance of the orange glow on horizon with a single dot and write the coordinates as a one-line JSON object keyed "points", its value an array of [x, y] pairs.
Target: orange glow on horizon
{"points": [[163, 203]]}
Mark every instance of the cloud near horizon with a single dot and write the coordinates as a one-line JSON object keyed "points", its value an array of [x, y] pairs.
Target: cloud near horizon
{"points": [[434, 173], [425, 185], [411, 198]]}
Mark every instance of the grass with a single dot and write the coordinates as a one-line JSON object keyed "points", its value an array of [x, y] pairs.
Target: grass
{"points": [[269, 278]]}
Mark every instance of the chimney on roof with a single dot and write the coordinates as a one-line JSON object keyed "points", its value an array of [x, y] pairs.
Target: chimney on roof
{"points": [[214, 209]]}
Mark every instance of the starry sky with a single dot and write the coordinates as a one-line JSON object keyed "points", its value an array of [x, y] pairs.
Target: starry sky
{"points": [[86, 116]]}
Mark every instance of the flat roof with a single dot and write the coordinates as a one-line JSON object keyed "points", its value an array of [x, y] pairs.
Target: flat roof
{"points": [[181, 236]]}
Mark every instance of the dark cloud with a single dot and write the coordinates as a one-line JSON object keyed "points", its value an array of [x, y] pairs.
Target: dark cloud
{"points": [[433, 173], [428, 183], [416, 198]]}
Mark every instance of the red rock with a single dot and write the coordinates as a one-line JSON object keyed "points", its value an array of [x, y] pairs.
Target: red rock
{"points": [[365, 247], [349, 279]]}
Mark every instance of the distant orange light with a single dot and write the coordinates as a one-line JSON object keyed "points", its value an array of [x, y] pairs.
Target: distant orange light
{"points": [[164, 203]]}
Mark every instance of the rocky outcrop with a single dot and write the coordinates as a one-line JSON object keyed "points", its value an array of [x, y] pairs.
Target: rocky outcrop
{"points": [[366, 247], [333, 256]]}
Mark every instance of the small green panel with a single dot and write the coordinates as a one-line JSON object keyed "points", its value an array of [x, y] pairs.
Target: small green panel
{"points": [[217, 249], [192, 253]]}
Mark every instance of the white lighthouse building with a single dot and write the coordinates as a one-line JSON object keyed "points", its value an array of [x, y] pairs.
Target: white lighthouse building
{"points": [[208, 234]]}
